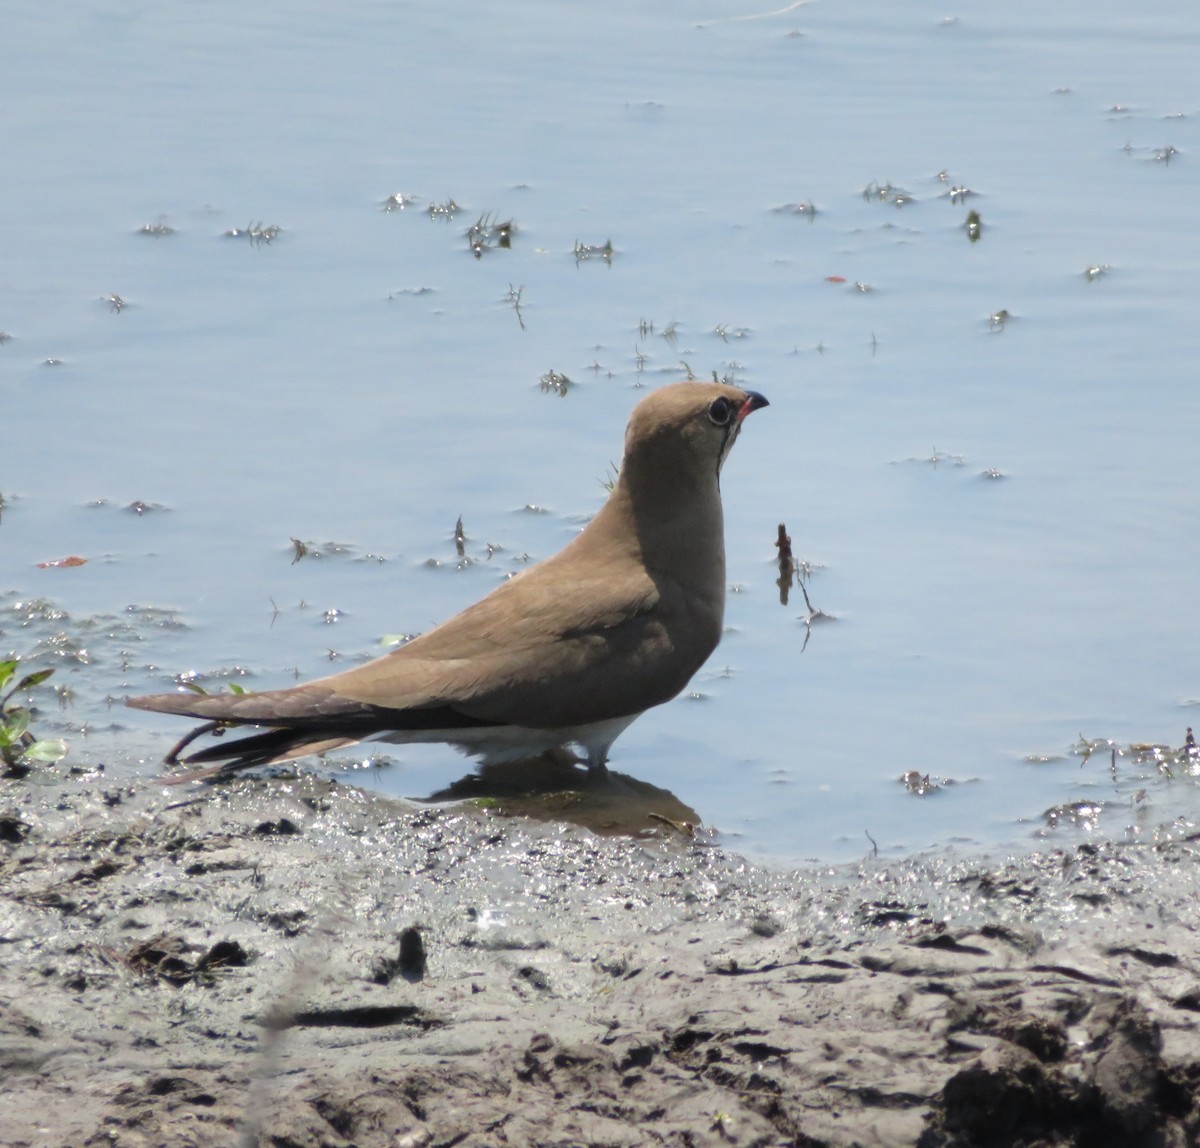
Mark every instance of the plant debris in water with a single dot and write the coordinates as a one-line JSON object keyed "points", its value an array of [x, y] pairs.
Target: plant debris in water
{"points": [[555, 382], [586, 251], [157, 230], [793, 573], [303, 549], [398, 201], [56, 563], [887, 193], [922, 784], [259, 234], [139, 507], [485, 234], [808, 210], [443, 211], [513, 299]]}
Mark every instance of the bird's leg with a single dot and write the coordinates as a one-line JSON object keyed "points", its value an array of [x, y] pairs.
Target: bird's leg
{"points": [[597, 763]]}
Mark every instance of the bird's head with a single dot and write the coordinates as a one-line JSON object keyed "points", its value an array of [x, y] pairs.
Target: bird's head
{"points": [[684, 432]]}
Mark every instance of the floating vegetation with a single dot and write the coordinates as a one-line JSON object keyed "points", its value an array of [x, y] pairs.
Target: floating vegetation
{"points": [[725, 332], [1080, 814], [991, 473], [1163, 155], [302, 549], [398, 202], [1096, 271], [258, 233], [157, 230], [922, 784], [586, 251], [935, 458], [513, 299], [998, 320], [956, 192], [557, 382], [808, 210], [191, 679], [485, 234], [974, 226], [1164, 760], [887, 193], [443, 211], [4, 337], [115, 302], [1131, 769], [460, 547], [787, 564], [794, 573]]}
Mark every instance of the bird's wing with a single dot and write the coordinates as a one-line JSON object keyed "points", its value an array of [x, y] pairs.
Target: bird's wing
{"points": [[542, 652], [526, 654]]}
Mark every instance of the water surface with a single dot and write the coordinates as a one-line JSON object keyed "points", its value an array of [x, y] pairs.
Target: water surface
{"points": [[985, 450]]}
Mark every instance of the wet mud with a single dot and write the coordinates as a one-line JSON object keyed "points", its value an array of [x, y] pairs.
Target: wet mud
{"points": [[291, 962]]}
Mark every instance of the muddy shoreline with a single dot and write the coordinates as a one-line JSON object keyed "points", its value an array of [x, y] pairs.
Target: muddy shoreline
{"points": [[292, 962]]}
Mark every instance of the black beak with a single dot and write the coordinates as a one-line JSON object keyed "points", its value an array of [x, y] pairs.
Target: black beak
{"points": [[754, 401]]}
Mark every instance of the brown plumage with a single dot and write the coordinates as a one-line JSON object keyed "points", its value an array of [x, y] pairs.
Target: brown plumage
{"points": [[567, 652]]}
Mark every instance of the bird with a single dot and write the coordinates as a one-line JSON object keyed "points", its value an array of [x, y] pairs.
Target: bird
{"points": [[561, 657]]}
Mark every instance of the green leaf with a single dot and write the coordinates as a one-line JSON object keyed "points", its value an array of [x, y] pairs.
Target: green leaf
{"points": [[234, 688], [31, 680], [16, 722], [7, 669], [195, 687], [47, 751]]}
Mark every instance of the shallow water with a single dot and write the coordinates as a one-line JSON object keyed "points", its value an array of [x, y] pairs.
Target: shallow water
{"points": [[362, 379]]}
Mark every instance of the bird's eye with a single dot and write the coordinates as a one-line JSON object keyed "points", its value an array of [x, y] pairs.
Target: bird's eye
{"points": [[720, 412]]}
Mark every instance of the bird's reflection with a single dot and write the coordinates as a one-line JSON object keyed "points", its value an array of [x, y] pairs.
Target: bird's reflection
{"points": [[548, 788]]}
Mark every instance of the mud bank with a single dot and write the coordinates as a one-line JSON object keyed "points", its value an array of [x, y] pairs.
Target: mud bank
{"points": [[295, 963]]}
